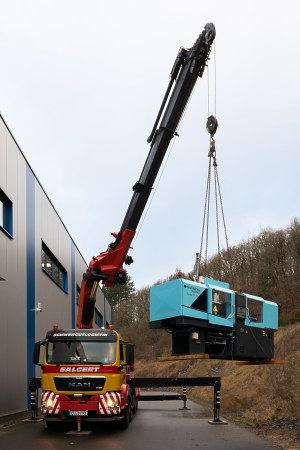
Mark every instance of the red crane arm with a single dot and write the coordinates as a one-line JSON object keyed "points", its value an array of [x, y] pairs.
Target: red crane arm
{"points": [[106, 267], [189, 65]]}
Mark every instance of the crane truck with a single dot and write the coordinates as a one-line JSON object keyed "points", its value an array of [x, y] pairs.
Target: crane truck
{"points": [[86, 371]]}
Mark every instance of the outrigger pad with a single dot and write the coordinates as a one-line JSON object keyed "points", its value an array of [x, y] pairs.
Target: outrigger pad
{"points": [[217, 422], [78, 433]]}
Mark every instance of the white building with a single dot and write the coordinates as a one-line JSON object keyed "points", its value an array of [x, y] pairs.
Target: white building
{"points": [[40, 273]]}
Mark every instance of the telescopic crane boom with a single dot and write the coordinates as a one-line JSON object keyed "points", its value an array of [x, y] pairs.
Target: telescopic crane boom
{"points": [[108, 266]]}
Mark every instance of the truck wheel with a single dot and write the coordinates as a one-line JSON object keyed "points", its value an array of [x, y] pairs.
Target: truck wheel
{"points": [[51, 424], [130, 405], [124, 422], [135, 404]]}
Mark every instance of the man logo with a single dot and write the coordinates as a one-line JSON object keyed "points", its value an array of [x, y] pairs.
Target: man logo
{"points": [[79, 385]]}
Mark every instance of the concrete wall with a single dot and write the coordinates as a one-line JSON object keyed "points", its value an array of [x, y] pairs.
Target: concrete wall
{"points": [[23, 283]]}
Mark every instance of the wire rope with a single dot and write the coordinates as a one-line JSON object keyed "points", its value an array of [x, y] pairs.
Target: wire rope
{"points": [[208, 88], [219, 209], [152, 196], [211, 126], [160, 176], [217, 220], [207, 216], [215, 69]]}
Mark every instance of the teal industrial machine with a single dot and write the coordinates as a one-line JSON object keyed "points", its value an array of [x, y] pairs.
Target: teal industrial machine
{"points": [[207, 317]]}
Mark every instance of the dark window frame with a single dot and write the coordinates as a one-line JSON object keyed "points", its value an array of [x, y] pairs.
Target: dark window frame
{"points": [[7, 215], [53, 268]]}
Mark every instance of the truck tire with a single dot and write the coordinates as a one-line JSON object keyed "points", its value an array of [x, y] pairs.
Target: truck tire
{"points": [[135, 404], [124, 422], [131, 406], [51, 424]]}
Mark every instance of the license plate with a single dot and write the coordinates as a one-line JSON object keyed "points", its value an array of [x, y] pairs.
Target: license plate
{"points": [[78, 413]]}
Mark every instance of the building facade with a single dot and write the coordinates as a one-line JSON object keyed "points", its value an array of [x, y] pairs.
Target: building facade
{"points": [[40, 273]]}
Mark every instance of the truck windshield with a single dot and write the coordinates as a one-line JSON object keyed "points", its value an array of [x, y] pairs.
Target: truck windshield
{"points": [[81, 352]]}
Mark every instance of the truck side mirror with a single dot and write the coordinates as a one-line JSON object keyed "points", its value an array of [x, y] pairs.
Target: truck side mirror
{"points": [[36, 352], [129, 354]]}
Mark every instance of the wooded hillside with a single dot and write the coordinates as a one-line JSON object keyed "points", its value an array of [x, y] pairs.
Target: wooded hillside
{"points": [[267, 265]]}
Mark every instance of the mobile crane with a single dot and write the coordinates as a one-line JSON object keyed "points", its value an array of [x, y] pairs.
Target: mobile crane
{"points": [[86, 372]]}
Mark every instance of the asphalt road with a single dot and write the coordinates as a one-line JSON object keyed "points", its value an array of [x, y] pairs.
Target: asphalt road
{"points": [[156, 426]]}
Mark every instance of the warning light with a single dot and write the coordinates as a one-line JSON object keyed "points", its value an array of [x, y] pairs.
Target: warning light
{"points": [[55, 327], [110, 327], [179, 274]]}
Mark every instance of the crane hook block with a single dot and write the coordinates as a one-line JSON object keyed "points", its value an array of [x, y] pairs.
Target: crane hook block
{"points": [[212, 125]]}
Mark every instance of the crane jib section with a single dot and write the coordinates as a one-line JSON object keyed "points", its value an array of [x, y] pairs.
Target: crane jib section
{"points": [[108, 266]]}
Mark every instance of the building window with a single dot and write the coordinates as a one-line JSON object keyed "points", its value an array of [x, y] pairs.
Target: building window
{"points": [[77, 294], [52, 267], [6, 214], [98, 318]]}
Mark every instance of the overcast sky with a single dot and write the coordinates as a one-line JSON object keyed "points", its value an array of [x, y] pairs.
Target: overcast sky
{"points": [[81, 84]]}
